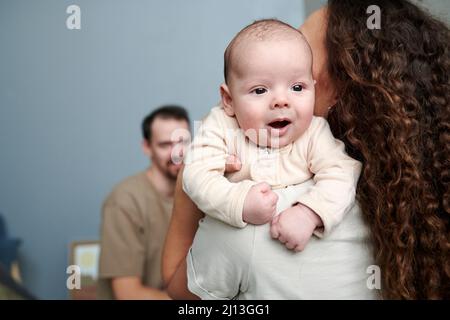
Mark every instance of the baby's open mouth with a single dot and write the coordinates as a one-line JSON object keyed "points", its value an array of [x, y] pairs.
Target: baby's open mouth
{"points": [[278, 124]]}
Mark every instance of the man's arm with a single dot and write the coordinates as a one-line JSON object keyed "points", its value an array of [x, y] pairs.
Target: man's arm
{"points": [[131, 288], [123, 248]]}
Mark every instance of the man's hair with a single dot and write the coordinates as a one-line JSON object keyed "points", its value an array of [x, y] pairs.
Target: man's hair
{"points": [[163, 112], [264, 29]]}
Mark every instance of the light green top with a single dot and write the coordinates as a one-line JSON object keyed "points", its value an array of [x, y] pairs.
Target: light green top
{"points": [[230, 263]]}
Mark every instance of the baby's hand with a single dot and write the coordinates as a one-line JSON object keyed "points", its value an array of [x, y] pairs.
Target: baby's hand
{"points": [[260, 204], [295, 226]]}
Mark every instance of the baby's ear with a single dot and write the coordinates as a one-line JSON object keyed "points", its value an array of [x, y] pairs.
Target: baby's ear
{"points": [[227, 101]]}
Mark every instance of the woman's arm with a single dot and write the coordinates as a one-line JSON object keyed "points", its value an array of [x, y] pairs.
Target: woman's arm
{"points": [[182, 228]]}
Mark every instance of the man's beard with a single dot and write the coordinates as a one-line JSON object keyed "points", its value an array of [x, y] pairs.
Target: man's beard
{"points": [[170, 173]]}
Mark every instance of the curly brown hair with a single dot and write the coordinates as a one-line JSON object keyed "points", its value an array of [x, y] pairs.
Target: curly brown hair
{"points": [[393, 115]]}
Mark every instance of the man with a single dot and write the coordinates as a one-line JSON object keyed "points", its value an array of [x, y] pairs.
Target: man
{"points": [[135, 216]]}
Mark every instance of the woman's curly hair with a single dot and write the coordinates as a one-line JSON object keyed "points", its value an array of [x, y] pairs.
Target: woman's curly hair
{"points": [[393, 113]]}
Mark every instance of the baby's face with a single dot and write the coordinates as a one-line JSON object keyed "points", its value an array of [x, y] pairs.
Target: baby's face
{"points": [[272, 90]]}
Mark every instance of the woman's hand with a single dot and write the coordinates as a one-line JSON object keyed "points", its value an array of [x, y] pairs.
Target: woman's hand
{"points": [[232, 164]]}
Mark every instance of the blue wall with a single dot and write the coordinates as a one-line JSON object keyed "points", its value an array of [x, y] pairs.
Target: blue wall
{"points": [[71, 102]]}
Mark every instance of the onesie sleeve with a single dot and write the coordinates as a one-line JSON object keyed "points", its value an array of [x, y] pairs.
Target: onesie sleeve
{"points": [[203, 175], [335, 176]]}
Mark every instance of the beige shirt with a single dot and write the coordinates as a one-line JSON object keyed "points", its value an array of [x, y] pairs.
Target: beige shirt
{"points": [[135, 219], [315, 155]]}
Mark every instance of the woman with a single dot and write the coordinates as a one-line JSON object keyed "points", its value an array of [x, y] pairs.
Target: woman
{"points": [[386, 94]]}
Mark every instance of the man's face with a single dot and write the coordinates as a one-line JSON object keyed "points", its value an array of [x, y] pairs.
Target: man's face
{"points": [[167, 146]]}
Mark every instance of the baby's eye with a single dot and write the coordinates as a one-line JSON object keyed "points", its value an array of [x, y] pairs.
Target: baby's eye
{"points": [[259, 90], [297, 87]]}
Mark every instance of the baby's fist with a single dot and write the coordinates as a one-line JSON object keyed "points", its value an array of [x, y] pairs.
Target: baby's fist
{"points": [[295, 226], [260, 204]]}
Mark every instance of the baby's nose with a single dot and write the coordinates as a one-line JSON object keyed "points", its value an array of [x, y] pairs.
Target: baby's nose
{"points": [[280, 102]]}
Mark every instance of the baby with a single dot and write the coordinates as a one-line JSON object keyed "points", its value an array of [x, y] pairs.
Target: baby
{"points": [[266, 120]]}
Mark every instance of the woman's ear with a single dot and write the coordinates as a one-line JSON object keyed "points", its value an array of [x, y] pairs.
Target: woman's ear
{"points": [[227, 101]]}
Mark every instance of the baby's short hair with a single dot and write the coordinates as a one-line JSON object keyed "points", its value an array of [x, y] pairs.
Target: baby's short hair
{"points": [[264, 29]]}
